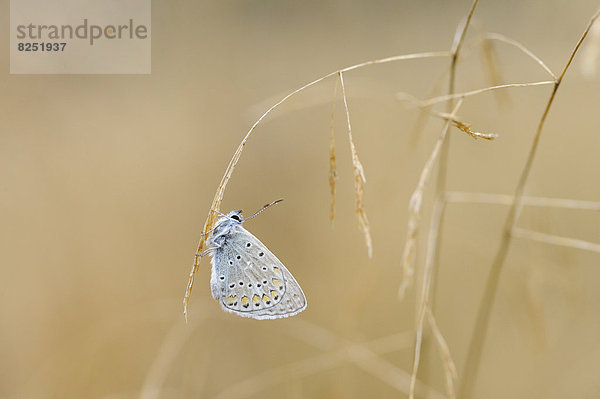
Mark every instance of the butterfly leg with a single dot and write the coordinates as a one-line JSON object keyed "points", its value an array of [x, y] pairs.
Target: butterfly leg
{"points": [[205, 252]]}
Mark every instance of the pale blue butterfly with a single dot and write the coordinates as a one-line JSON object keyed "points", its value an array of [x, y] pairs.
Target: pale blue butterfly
{"points": [[246, 278]]}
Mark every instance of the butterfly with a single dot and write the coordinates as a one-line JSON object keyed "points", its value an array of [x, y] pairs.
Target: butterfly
{"points": [[246, 278]]}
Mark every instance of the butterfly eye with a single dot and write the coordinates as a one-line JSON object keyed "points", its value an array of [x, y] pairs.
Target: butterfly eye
{"points": [[236, 217]]}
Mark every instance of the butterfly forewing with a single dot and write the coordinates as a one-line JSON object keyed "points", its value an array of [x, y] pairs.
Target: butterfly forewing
{"points": [[250, 281]]}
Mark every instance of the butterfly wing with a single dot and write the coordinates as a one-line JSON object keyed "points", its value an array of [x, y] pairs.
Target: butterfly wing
{"points": [[250, 281]]}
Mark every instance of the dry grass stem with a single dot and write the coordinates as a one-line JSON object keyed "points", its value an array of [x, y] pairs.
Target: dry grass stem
{"points": [[332, 165], [425, 299], [431, 260], [423, 112], [501, 38], [403, 96], [218, 198], [490, 61], [483, 314], [591, 54], [430, 256], [414, 213], [556, 240], [503, 199], [359, 177], [464, 126], [408, 255], [404, 57], [461, 30], [448, 97], [449, 366]]}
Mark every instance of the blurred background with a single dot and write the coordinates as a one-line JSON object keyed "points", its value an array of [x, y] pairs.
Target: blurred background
{"points": [[105, 183]]}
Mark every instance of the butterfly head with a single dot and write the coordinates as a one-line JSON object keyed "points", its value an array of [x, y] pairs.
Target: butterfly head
{"points": [[235, 216], [226, 223], [224, 226]]}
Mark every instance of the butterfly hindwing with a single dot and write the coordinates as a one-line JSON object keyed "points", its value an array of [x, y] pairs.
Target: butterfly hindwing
{"points": [[250, 281]]}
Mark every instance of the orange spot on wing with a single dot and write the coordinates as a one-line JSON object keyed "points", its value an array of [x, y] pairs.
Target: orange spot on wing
{"points": [[277, 283]]}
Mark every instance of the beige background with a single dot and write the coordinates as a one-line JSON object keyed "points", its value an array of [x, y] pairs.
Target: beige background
{"points": [[105, 182]]}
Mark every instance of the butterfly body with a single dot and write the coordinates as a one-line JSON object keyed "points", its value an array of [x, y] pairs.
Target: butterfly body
{"points": [[247, 278]]}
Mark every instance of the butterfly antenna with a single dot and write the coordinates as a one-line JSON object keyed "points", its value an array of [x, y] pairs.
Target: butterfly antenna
{"points": [[264, 208], [218, 213]]}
